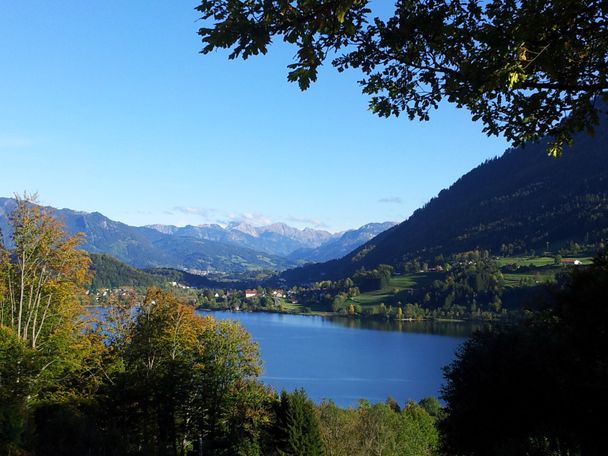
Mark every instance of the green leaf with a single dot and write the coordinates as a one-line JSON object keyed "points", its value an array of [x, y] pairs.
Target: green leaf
{"points": [[342, 10]]}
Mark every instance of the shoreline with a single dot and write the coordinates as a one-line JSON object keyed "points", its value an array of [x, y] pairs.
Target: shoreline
{"points": [[356, 317]]}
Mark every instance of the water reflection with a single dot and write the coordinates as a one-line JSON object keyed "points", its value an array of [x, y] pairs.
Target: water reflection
{"points": [[437, 327]]}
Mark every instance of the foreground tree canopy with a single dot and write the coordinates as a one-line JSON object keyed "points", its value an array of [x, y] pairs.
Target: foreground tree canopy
{"points": [[72, 382], [526, 69]]}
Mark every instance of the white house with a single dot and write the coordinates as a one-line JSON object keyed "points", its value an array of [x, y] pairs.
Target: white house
{"points": [[251, 293]]}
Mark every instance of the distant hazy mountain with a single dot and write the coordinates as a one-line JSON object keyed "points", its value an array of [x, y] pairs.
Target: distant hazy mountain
{"points": [[276, 239], [236, 248], [344, 243], [521, 201], [299, 246]]}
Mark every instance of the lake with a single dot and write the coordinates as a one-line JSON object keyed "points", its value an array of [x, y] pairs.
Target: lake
{"points": [[347, 360]]}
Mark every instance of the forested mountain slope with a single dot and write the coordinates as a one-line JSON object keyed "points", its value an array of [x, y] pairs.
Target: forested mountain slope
{"points": [[521, 201], [108, 272]]}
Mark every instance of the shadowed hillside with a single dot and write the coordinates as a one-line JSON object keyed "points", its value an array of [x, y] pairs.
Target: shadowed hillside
{"points": [[521, 201]]}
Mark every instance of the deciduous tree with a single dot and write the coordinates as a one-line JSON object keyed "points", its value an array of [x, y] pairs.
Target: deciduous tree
{"points": [[526, 69], [43, 277], [46, 353], [185, 378]]}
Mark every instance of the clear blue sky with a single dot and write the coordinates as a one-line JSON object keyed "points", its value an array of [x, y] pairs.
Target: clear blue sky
{"points": [[107, 106]]}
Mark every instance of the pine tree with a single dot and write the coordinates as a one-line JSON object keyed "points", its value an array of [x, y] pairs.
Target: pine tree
{"points": [[301, 426]]}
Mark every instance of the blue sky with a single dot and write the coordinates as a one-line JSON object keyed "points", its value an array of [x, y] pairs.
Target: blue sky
{"points": [[108, 106]]}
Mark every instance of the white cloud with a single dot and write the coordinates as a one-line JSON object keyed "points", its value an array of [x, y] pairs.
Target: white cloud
{"points": [[210, 215], [250, 218], [199, 211], [311, 222], [391, 200]]}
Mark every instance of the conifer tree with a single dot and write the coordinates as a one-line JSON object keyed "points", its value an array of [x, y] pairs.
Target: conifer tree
{"points": [[302, 435]]}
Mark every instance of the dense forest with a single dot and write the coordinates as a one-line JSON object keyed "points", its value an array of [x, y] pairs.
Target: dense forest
{"points": [[108, 272]]}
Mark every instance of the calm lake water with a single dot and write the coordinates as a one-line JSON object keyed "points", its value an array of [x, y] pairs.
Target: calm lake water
{"points": [[347, 360]]}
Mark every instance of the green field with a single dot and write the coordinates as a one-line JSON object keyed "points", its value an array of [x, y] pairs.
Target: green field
{"points": [[536, 261], [513, 280], [547, 269], [301, 306], [290, 306], [397, 283], [525, 261]]}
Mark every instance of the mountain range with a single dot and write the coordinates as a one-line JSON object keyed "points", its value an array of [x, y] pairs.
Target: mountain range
{"points": [[234, 249], [310, 245], [275, 239], [522, 201]]}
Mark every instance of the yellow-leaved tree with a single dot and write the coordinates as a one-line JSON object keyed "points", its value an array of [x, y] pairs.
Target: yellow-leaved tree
{"points": [[187, 382], [44, 347], [42, 277]]}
